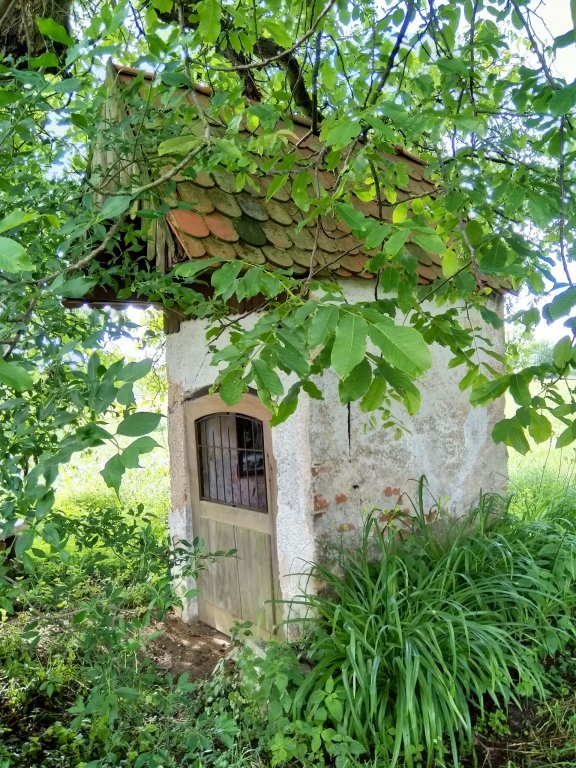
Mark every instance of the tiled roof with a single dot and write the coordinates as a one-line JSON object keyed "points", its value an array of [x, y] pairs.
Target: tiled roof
{"points": [[224, 222]]}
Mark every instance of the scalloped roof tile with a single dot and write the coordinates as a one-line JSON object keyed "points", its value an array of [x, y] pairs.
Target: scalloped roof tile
{"points": [[228, 223]]}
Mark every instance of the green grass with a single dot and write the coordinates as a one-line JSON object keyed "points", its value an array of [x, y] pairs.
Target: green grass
{"points": [[422, 652]]}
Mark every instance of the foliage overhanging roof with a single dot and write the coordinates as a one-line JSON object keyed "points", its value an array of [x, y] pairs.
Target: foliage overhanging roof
{"points": [[258, 221]]}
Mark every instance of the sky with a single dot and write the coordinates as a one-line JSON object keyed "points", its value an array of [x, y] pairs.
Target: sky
{"points": [[557, 20]]}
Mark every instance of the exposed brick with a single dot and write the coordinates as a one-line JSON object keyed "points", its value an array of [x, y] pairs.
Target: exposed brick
{"points": [[340, 498], [389, 491], [320, 503], [318, 469]]}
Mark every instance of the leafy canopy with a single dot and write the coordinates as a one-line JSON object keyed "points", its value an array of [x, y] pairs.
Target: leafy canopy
{"points": [[465, 84]]}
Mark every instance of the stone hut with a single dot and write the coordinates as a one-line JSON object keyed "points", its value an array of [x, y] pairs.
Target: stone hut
{"points": [[278, 494]]}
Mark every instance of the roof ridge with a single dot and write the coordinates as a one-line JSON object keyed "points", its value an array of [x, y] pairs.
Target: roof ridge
{"points": [[206, 90]]}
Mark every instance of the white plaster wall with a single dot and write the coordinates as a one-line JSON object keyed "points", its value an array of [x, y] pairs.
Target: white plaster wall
{"points": [[358, 466], [327, 478]]}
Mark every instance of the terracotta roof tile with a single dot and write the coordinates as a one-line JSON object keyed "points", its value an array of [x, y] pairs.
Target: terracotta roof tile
{"points": [[298, 270], [302, 239], [227, 223], [328, 243], [252, 207], [277, 235], [250, 231], [249, 253], [203, 179], [188, 223], [219, 249], [226, 181], [278, 212], [189, 193], [277, 257], [303, 258], [221, 226], [328, 223], [353, 263], [224, 202]]}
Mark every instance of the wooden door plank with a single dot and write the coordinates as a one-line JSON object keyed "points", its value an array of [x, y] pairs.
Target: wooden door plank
{"points": [[254, 560], [218, 583]]}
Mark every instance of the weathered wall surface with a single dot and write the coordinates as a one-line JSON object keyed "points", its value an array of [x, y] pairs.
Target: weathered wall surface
{"points": [[332, 466], [357, 466]]}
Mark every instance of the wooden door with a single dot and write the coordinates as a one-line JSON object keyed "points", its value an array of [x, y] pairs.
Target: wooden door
{"points": [[231, 472]]}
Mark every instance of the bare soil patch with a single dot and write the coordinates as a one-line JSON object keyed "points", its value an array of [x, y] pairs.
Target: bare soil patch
{"points": [[194, 648]]}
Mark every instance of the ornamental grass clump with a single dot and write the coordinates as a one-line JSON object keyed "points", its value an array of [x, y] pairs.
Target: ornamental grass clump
{"points": [[416, 637]]}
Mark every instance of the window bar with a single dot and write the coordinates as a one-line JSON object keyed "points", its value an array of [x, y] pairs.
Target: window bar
{"points": [[232, 499], [202, 458], [246, 460], [215, 466]]}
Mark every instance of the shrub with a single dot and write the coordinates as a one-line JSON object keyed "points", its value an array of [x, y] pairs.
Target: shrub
{"points": [[410, 639]]}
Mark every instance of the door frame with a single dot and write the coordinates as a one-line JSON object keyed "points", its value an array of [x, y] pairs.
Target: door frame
{"points": [[196, 407]]}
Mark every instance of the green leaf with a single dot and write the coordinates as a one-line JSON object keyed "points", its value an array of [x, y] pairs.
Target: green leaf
{"points": [[279, 32], [74, 287], [356, 384], [403, 347], [375, 395], [349, 344], [560, 305], [265, 378], [179, 145], [519, 389], [562, 352], [312, 390], [510, 432], [24, 541], [540, 428], [276, 184], [140, 423], [13, 257], [485, 391], [563, 101], [16, 219], [15, 376], [322, 325], [450, 264], [568, 38], [377, 233], [474, 232], [224, 279], [300, 190], [430, 242], [395, 242], [133, 371], [115, 206], [210, 13], [113, 472], [355, 219], [287, 406], [231, 387], [567, 437], [164, 6], [342, 132], [130, 456], [53, 30]]}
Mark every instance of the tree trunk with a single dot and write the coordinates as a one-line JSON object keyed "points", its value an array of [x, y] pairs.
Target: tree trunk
{"points": [[19, 35]]}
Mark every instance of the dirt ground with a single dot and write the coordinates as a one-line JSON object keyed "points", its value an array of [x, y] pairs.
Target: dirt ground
{"points": [[194, 648]]}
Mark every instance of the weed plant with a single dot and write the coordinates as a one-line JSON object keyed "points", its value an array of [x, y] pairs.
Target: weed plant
{"points": [[412, 638]]}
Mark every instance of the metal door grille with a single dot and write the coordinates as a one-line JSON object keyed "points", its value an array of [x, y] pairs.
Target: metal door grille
{"points": [[231, 464]]}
